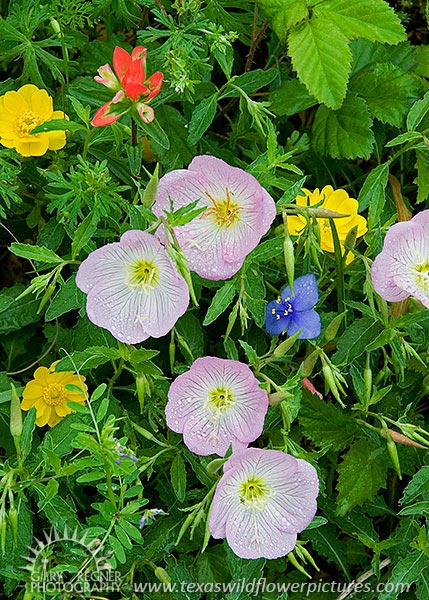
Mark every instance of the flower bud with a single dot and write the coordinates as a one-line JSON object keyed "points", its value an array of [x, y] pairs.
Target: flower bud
{"points": [[15, 416], [142, 386], [162, 575], [13, 521], [330, 380], [286, 345], [333, 327]]}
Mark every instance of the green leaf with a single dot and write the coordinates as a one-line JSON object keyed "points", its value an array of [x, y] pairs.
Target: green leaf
{"points": [[419, 484], [374, 20], [422, 179], [178, 477], [222, 299], [326, 424], [266, 250], [84, 232], [388, 91], [250, 82], [117, 549], [373, 189], [290, 98], [284, 14], [406, 571], [155, 132], [87, 359], [36, 253], [58, 125], [344, 133], [415, 509], [102, 409], [69, 297], [355, 339], [403, 138], [325, 541], [323, 66], [201, 118], [417, 112], [361, 474], [15, 314]]}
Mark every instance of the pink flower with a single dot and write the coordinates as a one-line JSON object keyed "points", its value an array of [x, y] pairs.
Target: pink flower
{"points": [[133, 288], [264, 498], [130, 84], [216, 403], [402, 267], [239, 212]]}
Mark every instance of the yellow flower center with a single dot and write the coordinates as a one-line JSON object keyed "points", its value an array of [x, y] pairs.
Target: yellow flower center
{"points": [[225, 212], [422, 275], [221, 398], [254, 492], [143, 274], [54, 394], [26, 122]]}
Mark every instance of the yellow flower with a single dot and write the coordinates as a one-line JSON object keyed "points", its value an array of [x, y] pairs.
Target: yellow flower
{"points": [[22, 111], [335, 200], [48, 394]]}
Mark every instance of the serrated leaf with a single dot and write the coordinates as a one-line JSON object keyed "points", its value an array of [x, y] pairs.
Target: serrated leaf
{"points": [[36, 253], [344, 133], [374, 20], [69, 297], [388, 91], [284, 14], [417, 112], [221, 300], [325, 541], [374, 187], [202, 117], [406, 571], [290, 98], [326, 424], [422, 179], [15, 314], [361, 474], [355, 339], [418, 485], [323, 66], [422, 585]]}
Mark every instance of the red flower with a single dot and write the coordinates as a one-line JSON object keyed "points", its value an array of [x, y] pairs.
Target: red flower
{"points": [[130, 84]]}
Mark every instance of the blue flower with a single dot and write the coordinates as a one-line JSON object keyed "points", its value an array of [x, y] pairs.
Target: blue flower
{"points": [[293, 313]]}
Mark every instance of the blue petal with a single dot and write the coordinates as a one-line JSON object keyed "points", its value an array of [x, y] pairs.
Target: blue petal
{"points": [[273, 325], [308, 321], [306, 292]]}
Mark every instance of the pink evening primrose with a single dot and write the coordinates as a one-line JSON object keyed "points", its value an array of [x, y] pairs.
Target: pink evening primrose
{"points": [[264, 498], [239, 212], [133, 288], [216, 403], [402, 267]]}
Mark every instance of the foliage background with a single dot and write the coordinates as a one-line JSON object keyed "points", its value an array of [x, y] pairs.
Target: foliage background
{"points": [[296, 92]]}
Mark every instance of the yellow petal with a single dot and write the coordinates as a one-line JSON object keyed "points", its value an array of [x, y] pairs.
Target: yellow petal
{"points": [[38, 147], [15, 103], [296, 224], [54, 419], [326, 193], [41, 375], [33, 389], [41, 104], [57, 140], [26, 92], [8, 143], [62, 410], [339, 201], [45, 417]]}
